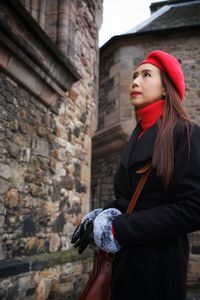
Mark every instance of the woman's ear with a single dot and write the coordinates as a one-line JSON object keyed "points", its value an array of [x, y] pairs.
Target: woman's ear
{"points": [[164, 94]]}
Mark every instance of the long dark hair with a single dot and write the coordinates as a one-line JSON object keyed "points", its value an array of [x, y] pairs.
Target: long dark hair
{"points": [[174, 113]]}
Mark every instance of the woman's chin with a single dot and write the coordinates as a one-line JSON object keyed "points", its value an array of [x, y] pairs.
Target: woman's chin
{"points": [[136, 104]]}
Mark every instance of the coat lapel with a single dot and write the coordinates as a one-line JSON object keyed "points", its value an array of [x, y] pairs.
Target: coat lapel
{"points": [[128, 149], [139, 150]]}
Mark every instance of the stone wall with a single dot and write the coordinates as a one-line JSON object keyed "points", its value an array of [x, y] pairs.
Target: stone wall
{"points": [[48, 108], [57, 275], [103, 170], [41, 187], [117, 118]]}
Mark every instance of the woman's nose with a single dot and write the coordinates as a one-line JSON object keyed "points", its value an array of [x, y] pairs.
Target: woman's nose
{"points": [[134, 83]]}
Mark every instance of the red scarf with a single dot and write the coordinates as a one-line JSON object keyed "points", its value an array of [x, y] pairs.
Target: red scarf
{"points": [[149, 114]]}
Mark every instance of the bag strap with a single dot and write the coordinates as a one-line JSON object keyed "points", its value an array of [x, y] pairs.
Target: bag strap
{"points": [[145, 171]]}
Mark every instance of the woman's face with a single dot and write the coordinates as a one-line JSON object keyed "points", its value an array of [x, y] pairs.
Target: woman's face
{"points": [[146, 86]]}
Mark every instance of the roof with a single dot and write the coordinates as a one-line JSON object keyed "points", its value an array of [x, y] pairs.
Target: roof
{"points": [[172, 15]]}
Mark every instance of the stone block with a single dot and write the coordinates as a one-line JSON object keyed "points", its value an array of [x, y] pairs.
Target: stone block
{"points": [[65, 242], [39, 265], [194, 269], [13, 267], [48, 96], [60, 171], [40, 147], [125, 113], [4, 57], [85, 173], [20, 140], [114, 70], [111, 119], [72, 94], [116, 80], [5, 171], [17, 175], [113, 94], [126, 78], [126, 64], [85, 203], [59, 223], [2, 219], [41, 290], [130, 51], [124, 96], [54, 242], [14, 150], [20, 71], [29, 226], [12, 198], [87, 144]]}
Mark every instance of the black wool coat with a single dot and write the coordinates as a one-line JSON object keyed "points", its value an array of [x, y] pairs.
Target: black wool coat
{"points": [[153, 261]]}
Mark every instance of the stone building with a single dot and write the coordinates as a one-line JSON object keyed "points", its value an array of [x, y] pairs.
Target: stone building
{"points": [[173, 26], [48, 109]]}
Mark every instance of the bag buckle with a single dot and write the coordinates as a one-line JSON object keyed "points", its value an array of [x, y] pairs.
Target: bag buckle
{"points": [[145, 168]]}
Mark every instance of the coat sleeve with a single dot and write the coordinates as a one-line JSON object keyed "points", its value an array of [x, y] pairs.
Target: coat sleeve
{"points": [[168, 221], [118, 203]]}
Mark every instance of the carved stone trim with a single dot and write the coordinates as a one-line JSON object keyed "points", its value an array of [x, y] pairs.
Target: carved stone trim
{"points": [[47, 73], [110, 139]]}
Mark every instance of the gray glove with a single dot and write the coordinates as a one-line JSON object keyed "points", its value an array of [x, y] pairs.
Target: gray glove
{"points": [[89, 218], [103, 235]]}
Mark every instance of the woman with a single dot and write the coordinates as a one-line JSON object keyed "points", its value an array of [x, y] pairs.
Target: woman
{"points": [[151, 244]]}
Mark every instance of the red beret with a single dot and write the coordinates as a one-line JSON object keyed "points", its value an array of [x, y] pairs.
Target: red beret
{"points": [[170, 65]]}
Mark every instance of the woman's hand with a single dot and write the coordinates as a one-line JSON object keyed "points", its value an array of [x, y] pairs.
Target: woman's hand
{"points": [[81, 231], [85, 239]]}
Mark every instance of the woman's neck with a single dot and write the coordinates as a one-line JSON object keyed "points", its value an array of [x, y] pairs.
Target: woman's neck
{"points": [[149, 114]]}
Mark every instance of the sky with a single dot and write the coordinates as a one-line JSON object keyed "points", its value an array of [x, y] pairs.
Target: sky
{"points": [[120, 16]]}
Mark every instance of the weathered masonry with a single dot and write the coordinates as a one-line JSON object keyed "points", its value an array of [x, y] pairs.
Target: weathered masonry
{"points": [[48, 115]]}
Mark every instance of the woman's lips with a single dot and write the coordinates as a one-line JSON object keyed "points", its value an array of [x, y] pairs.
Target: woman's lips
{"points": [[135, 94]]}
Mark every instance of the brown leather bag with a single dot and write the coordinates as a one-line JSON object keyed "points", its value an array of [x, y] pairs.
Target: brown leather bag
{"points": [[98, 286]]}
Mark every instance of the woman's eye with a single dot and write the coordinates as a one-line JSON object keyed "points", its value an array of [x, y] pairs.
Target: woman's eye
{"points": [[147, 74], [134, 76]]}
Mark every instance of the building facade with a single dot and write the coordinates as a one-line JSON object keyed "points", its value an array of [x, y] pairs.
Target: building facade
{"points": [[48, 108]]}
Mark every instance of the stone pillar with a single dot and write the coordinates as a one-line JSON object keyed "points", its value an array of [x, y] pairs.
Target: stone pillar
{"points": [[66, 27]]}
